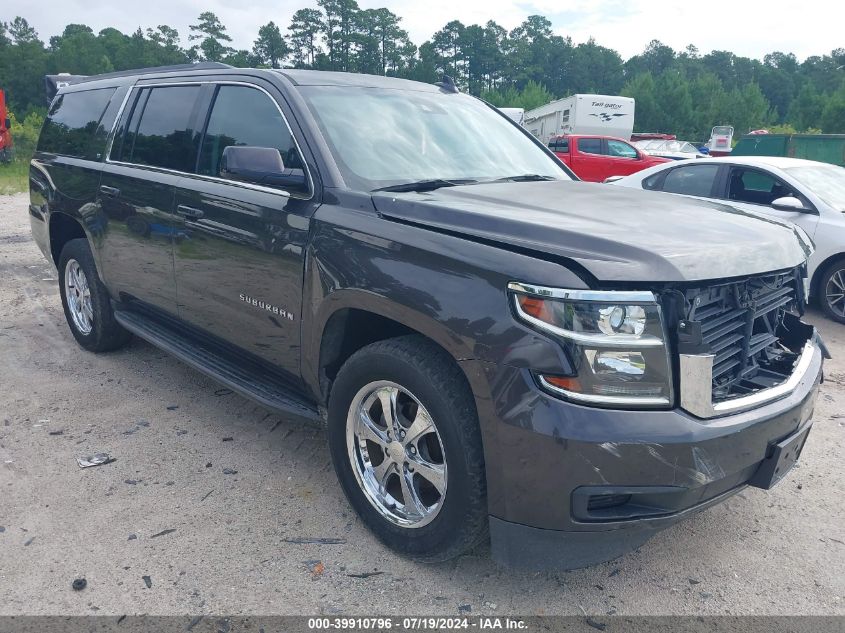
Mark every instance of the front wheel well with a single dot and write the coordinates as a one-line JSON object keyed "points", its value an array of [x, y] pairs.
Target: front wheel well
{"points": [[821, 269], [63, 229], [349, 330]]}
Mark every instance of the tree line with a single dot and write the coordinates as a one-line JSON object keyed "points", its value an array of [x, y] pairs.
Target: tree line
{"points": [[681, 92]]}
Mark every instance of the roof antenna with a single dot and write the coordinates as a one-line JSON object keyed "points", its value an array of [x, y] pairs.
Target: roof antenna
{"points": [[447, 84]]}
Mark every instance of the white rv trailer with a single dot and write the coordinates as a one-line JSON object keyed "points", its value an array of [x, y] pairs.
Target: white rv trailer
{"points": [[603, 115]]}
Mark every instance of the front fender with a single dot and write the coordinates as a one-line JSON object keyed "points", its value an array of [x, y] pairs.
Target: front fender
{"points": [[450, 289]]}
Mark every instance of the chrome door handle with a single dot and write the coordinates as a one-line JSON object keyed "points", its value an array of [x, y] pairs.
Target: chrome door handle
{"points": [[110, 192], [189, 212]]}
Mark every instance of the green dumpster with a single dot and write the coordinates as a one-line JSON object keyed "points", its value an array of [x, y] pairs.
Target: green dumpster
{"points": [[826, 148]]}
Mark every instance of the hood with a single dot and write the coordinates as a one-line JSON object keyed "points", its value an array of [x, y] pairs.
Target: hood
{"points": [[615, 233]]}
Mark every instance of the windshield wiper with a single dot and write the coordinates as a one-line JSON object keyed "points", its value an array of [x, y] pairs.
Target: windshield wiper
{"points": [[525, 178], [426, 185]]}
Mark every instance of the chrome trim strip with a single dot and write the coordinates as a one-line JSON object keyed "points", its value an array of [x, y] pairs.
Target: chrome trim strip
{"points": [[604, 296], [616, 401], [603, 341], [696, 385], [245, 185], [116, 122]]}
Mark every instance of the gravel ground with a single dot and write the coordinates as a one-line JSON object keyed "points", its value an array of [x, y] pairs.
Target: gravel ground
{"points": [[210, 542]]}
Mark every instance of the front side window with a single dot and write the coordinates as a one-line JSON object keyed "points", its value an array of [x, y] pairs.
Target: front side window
{"points": [[384, 137], [160, 132], [618, 149], [245, 116], [695, 180], [589, 145], [756, 187], [72, 127]]}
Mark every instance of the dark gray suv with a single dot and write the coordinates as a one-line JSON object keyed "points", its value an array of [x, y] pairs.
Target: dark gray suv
{"points": [[492, 345]]}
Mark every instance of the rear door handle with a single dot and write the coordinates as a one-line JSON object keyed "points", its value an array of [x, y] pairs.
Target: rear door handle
{"points": [[189, 212], [111, 192]]}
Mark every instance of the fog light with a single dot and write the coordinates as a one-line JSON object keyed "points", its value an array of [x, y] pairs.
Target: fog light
{"points": [[602, 502]]}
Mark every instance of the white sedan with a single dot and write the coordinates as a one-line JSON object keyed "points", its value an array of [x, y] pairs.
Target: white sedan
{"points": [[806, 192]]}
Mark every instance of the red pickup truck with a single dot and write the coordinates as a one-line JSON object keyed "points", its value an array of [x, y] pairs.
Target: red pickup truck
{"points": [[594, 158], [5, 135]]}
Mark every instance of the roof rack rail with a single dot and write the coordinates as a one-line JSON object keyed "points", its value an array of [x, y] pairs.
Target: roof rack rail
{"points": [[157, 69]]}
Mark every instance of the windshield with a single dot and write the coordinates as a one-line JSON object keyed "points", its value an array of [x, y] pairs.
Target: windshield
{"points": [[384, 137], [826, 181]]}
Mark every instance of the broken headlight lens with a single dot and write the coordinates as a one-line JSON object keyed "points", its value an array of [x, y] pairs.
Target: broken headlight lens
{"points": [[615, 341]]}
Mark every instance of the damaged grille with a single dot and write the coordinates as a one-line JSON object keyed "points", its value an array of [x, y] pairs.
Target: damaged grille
{"points": [[742, 324]]}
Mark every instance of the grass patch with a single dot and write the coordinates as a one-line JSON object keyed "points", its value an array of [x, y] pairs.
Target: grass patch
{"points": [[14, 177]]}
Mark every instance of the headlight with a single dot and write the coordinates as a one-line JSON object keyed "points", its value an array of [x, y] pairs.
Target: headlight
{"points": [[615, 340]]}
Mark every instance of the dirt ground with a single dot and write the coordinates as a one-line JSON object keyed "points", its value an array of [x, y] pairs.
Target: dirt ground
{"points": [[164, 529]]}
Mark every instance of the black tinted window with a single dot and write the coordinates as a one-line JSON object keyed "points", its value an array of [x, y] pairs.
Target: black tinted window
{"points": [[73, 126], [653, 182], [757, 187], [559, 145], [589, 145], [693, 181], [159, 131], [245, 116]]}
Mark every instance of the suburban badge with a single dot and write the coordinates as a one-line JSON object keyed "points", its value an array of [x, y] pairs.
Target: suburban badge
{"points": [[266, 306]]}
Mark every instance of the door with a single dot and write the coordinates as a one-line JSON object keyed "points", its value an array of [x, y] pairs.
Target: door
{"points": [[240, 247], [154, 142], [755, 189], [623, 159], [588, 162]]}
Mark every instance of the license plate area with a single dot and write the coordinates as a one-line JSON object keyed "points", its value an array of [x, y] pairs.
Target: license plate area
{"points": [[783, 457]]}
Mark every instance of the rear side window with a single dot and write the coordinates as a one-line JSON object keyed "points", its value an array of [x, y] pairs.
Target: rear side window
{"points": [[691, 181], [159, 132], [589, 145], [245, 116], [72, 127], [559, 145]]}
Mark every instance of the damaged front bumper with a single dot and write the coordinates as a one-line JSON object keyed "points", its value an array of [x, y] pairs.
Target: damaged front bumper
{"points": [[573, 486], [697, 394]]}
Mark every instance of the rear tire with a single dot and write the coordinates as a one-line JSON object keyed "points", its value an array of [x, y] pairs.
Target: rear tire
{"points": [[831, 293], [86, 301], [416, 476]]}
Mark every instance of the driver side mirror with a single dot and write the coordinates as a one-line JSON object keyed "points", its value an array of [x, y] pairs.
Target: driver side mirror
{"points": [[260, 166], [788, 203]]}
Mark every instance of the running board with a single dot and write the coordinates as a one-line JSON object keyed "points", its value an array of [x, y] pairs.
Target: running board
{"points": [[250, 382]]}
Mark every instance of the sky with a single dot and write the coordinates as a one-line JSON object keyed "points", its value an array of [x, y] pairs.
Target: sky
{"points": [[750, 28]]}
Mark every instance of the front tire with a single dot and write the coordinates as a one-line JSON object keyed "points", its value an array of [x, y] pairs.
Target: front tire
{"points": [[832, 291], [406, 447], [86, 301]]}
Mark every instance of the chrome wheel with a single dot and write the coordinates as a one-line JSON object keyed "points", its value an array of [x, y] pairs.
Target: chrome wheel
{"points": [[396, 454], [835, 292], [78, 296]]}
